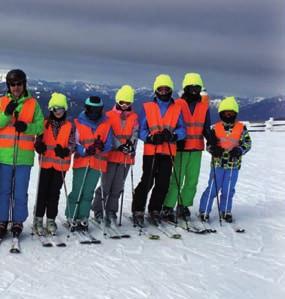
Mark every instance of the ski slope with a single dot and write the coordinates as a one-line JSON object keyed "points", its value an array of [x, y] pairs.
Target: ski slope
{"points": [[213, 266]]}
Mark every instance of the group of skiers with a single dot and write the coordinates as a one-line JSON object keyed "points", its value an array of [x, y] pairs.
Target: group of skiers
{"points": [[104, 146]]}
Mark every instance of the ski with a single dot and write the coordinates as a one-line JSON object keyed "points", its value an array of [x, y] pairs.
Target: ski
{"points": [[91, 237], [43, 240], [235, 227], [117, 230], [187, 226], [108, 232], [167, 231], [207, 226], [142, 230], [55, 240], [15, 246]]}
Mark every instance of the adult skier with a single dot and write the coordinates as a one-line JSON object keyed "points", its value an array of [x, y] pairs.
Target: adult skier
{"points": [[232, 141], [161, 125], [93, 140], [124, 123], [55, 147], [185, 176], [21, 119]]}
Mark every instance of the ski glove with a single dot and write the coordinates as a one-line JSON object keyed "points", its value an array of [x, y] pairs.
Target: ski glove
{"points": [[10, 108], [127, 148], [61, 152], [216, 151], [155, 139], [236, 152], [91, 150], [40, 147], [20, 126], [180, 144], [168, 136], [99, 144]]}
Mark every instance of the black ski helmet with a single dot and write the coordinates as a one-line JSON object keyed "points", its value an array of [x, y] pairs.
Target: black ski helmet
{"points": [[16, 75]]}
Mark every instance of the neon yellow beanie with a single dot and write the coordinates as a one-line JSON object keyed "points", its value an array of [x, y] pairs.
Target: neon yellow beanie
{"points": [[125, 93], [192, 79], [57, 100], [229, 103], [163, 80]]}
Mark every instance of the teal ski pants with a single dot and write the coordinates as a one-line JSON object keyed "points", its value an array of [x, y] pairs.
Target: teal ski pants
{"points": [[79, 208]]}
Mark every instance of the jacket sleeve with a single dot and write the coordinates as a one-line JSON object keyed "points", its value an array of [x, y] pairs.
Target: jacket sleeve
{"points": [[37, 126], [180, 129], [143, 126], [245, 141], [109, 141], [207, 127]]}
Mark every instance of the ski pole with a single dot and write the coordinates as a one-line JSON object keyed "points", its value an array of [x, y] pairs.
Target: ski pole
{"points": [[217, 191], [80, 191], [38, 184], [123, 191], [179, 198], [13, 181]]}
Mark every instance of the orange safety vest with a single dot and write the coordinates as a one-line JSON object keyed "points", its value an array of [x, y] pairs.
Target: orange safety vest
{"points": [[9, 135], [228, 140], [86, 138], [122, 134], [49, 159], [194, 124], [156, 123]]}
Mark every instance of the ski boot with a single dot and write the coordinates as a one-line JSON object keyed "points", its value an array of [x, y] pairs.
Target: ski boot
{"points": [[138, 218], [38, 227], [204, 217], [17, 229], [168, 215], [83, 225], [154, 217], [183, 212], [51, 226], [98, 216], [228, 217], [72, 225], [3, 228], [110, 218]]}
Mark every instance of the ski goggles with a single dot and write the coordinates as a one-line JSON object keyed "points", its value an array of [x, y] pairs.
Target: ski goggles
{"points": [[57, 109], [18, 83]]}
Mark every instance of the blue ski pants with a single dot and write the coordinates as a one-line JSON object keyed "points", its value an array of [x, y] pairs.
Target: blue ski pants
{"points": [[19, 209], [226, 180]]}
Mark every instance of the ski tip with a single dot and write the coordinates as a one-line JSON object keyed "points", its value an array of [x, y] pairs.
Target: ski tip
{"points": [[96, 242], [47, 245], [176, 236], [240, 230], [154, 237], [61, 245], [15, 250]]}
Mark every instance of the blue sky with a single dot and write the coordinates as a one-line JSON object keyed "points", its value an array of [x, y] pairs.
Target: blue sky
{"points": [[236, 45]]}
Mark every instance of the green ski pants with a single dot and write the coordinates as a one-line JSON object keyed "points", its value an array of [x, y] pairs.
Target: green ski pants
{"points": [[187, 166], [88, 186]]}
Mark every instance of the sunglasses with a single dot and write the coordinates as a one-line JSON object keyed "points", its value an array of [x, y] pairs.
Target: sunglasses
{"points": [[16, 84], [57, 109]]}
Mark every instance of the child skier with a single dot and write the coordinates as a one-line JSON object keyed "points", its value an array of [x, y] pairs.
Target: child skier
{"points": [[232, 141], [93, 141], [125, 127], [54, 147], [196, 115], [161, 125]]}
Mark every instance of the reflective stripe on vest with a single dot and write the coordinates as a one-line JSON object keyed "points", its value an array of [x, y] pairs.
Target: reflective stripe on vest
{"points": [[8, 134], [122, 134], [49, 159], [86, 138], [194, 124], [228, 140], [157, 123]]}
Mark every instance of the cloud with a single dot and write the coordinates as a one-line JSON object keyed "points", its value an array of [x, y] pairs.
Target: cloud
{"points": [[236, 38]]}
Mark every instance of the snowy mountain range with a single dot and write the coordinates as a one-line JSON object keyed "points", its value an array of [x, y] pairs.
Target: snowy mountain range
{"points": [[251, 109]]}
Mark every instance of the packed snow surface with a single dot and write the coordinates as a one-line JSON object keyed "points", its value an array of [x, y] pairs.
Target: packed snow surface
{"points": [[213, 266]]}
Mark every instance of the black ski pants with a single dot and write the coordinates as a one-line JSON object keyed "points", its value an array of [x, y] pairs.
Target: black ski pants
{"points": [[156, 174], [48, 192]]}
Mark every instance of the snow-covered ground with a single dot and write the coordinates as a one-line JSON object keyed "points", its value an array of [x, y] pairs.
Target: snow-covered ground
{"points": [[223, 265]]}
